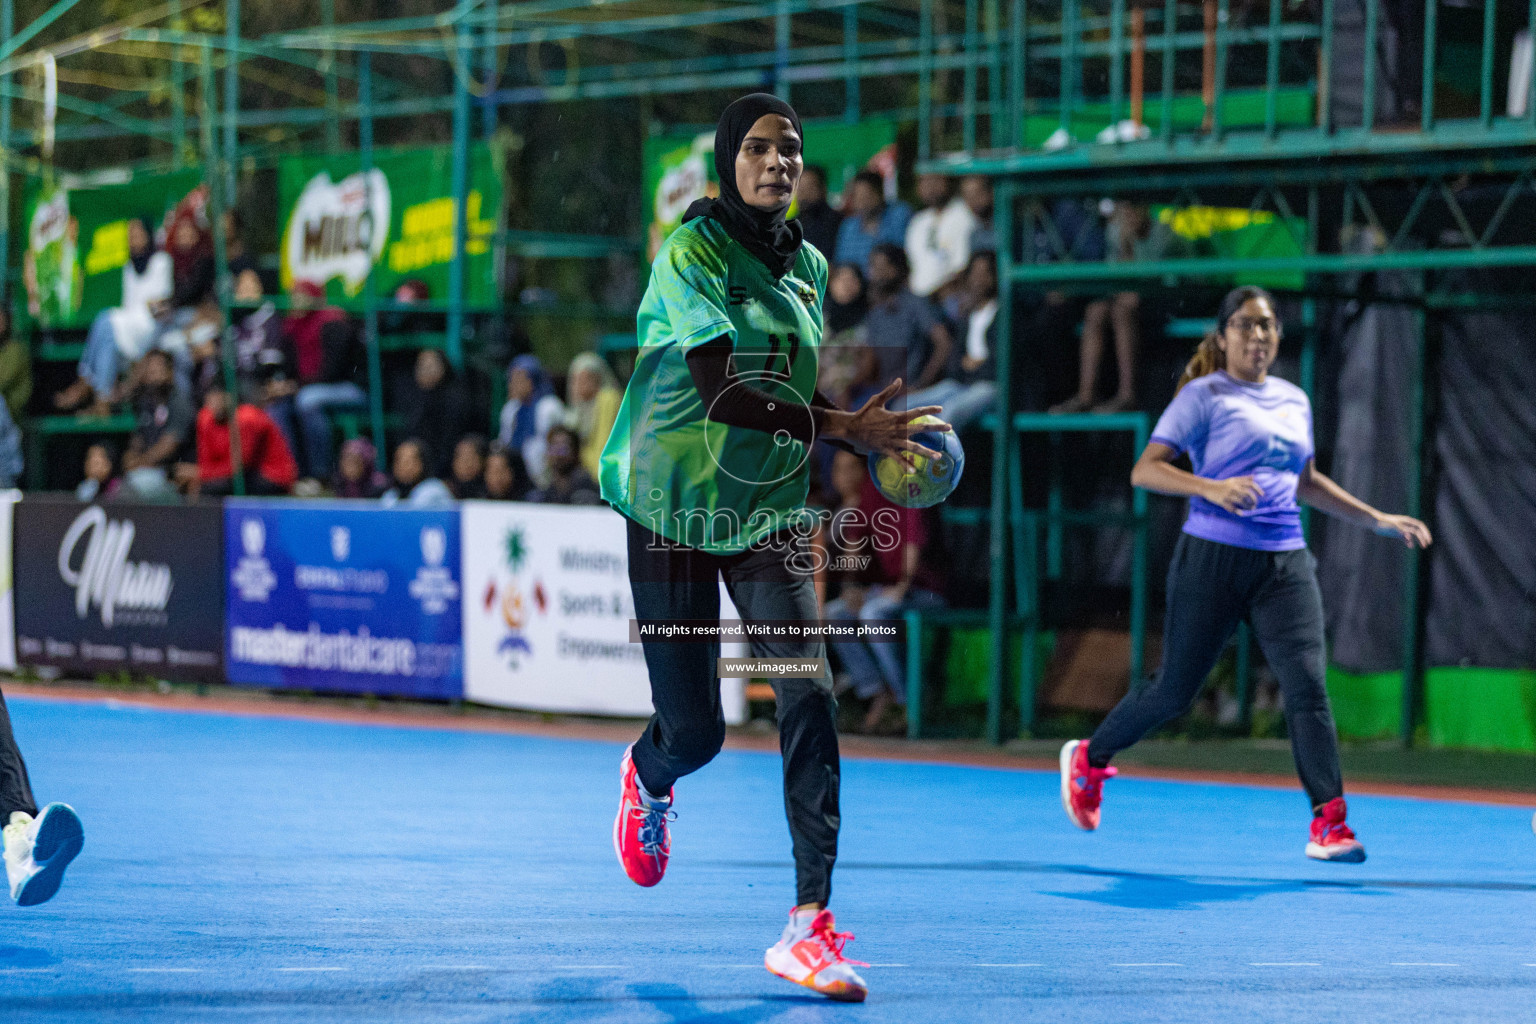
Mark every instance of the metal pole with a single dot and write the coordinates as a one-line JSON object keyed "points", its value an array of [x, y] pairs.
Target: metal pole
{"points": [[1069, 69], [332, 100], [781, 41], [1016, 81], [1116, 60], [996, 130], [1490, 14], [1219, 89], [488, 107], [1272, 71], [178, 96], [850, 63], [1325, 70], [969, 78], [1427, 95], [370, 300], [7, 26], [1368, 86], [231, 93], [1170, 24], [924, 79], [454, 343], [1002, 466], [1413, 653], [215, 178]]}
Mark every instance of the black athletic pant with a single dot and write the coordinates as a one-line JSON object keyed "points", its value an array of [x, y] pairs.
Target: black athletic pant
{"points": [[671, 581], [15, 787], [1211, 588]]}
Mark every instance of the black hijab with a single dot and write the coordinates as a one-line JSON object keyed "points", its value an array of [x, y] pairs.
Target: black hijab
{"points": [[140, 260], [840, 316], [768, 236]]}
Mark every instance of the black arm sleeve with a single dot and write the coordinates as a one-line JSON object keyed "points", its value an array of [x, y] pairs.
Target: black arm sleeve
{"points": [[738, 404]]}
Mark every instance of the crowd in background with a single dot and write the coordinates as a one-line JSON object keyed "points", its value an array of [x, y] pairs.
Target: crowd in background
{"points": [[910, 294]]}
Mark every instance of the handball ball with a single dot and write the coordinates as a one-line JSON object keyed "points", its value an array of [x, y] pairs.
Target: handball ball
{"points": [[932, 480]]}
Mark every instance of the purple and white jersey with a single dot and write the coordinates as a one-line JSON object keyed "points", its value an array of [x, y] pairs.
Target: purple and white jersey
{"points": [[1231, 428]]}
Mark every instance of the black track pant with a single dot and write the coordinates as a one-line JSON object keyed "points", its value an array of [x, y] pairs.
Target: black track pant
{"points": [[1211, 588], [670, 581], [15, 787]]}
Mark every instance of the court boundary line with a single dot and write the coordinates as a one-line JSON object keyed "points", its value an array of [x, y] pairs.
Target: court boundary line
{"points": [[623, 731]]}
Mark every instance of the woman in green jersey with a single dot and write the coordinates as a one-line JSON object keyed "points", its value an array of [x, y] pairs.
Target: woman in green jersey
{"points": [[709, 460]]}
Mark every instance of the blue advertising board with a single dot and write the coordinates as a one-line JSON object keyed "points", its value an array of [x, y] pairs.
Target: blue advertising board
{"points": [[343, 596]]}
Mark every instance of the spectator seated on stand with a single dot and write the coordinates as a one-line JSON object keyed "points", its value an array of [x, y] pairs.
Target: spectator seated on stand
{"points": [[870, 220], [356, 474], [569, 481], [467, 476], [593, 395], [906, 336], [845, 334], [120, 336], [938, 238], [970, 388], [163, 424], [1130, 236], [101, 479], [875, 551], [505, 477], [411, 486], [817, 218], [320, 359], [529, 413], [434, 406], [266, 463], [187, 324]]}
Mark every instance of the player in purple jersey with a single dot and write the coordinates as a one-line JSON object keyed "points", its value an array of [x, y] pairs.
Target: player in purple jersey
{"points": [[1242, 557]]}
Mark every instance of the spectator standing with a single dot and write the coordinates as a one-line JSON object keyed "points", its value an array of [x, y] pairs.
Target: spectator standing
{"points": [[817, 218], [266, 463], [907, 339], [163, 424], [969, 389], [505, 477], [529, 413], [435, 408], [878, 547], [121, 335], [319, 351], [15, 366], [593, 396], [100, 473], [356, 474], [467, 478], [569, 481], [870, 220], [938, 237], [976, 193], [411, 486]]}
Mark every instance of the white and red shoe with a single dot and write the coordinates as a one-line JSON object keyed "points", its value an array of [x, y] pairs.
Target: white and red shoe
{"points": [[1331, 838], [640, 834], [1082, 785], [810, 953]]}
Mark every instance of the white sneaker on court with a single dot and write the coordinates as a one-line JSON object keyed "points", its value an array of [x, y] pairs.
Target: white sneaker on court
{"points": [[37, 850], [810, 953]]}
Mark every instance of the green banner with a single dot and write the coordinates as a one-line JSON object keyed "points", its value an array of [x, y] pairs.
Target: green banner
{"points": [[332, 214], [1233, 232], [76, 242], [681, 168]]}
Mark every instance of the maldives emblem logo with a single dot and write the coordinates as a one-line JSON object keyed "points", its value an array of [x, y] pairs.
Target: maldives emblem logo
{"points": [[512, 602]]}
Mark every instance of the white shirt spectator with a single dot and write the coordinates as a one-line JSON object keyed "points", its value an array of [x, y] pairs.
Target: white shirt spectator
{"points": [[132, 322], [547, 412], [938, 245]]}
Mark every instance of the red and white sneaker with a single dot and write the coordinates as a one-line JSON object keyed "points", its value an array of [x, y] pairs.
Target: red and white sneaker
{"points": [[1082, 785], [810, 953], [1331, 838], [640, 834]]}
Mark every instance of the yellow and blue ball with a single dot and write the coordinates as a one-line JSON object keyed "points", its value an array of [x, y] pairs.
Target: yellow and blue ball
{"points": [[931, 480]]}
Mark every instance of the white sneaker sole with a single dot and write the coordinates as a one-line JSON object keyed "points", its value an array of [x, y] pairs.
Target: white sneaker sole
{"points": [[1068, 751], [1352, 853], [59, 840], [784, 965]]}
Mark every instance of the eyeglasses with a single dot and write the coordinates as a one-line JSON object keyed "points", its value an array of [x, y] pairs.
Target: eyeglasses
{"points": [[1244, 325]]}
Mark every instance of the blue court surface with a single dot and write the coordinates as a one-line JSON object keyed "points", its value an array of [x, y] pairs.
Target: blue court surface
{"points": [[243, 869]]}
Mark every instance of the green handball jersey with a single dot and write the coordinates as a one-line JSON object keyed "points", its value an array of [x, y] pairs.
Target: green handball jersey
{"points": [[666, 465]]}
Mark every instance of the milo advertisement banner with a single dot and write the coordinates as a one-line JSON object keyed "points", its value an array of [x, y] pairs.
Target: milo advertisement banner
{"points": [[681, 168], [397, 220], [77, 242]]}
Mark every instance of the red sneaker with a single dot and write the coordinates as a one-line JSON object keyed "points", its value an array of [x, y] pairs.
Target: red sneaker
{"points": [[810, 953], [1082, 785], [640, 834], [1331, 838]]}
